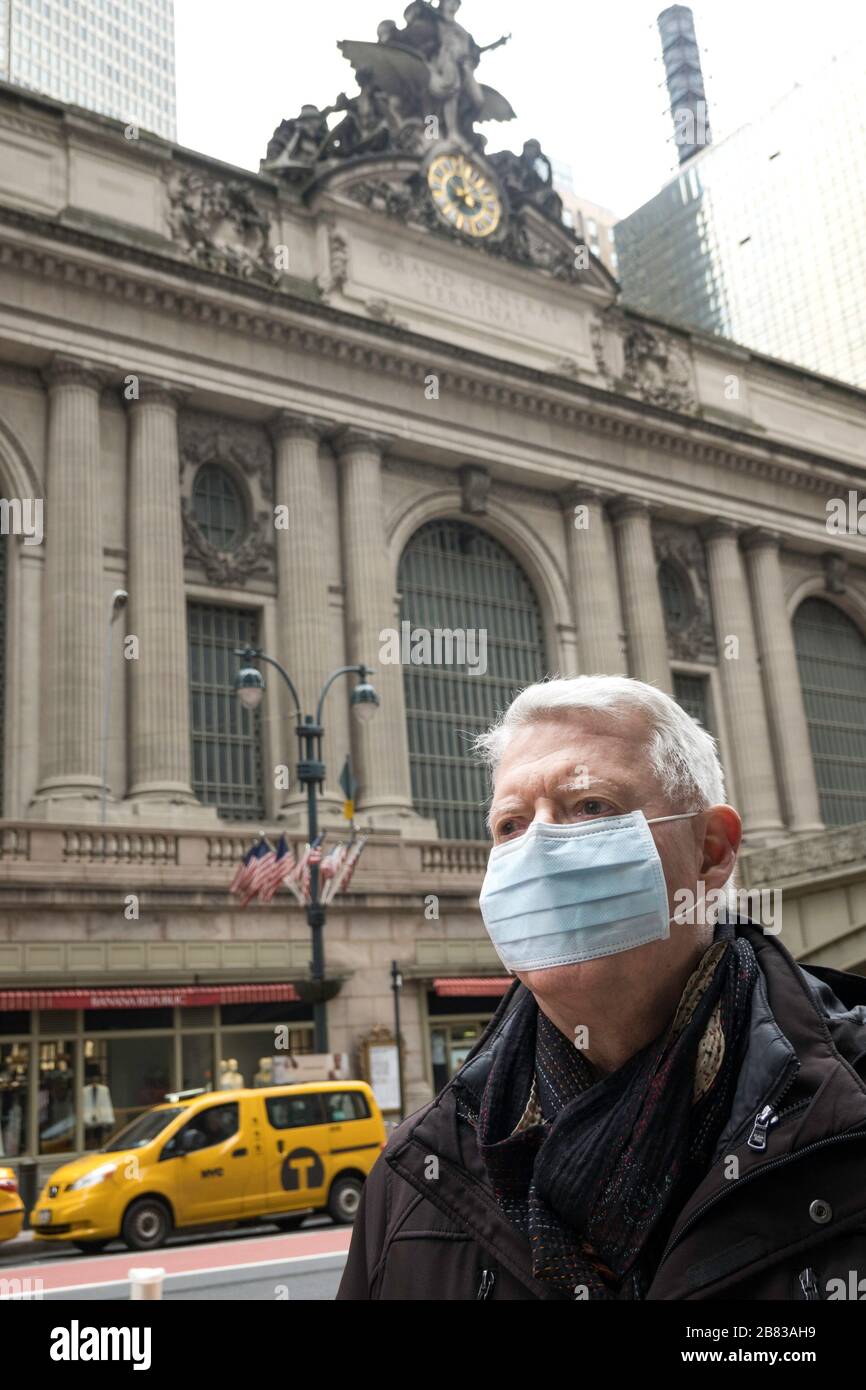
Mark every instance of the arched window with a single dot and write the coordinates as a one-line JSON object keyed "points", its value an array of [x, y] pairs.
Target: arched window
{"points": [[217, 507], [831, 655], [457, 580]]}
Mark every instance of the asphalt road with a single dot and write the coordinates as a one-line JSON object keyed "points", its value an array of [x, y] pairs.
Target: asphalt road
{"points": [[302, 1266]]}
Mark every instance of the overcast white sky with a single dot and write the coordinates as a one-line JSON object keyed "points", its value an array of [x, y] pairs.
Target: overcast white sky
{"points": [[584, 76]]}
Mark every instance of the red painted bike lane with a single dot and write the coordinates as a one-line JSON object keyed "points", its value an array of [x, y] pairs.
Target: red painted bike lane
{"points": [[93, 1270]]}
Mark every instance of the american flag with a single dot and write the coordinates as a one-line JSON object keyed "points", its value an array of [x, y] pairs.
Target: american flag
{"points": [[331, 867], [245, 869], [265, 856], [354, 855], [275, 873]]}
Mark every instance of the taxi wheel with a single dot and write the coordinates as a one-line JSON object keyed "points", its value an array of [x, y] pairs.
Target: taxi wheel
{"points": [[146, 1224], [344, 1199]]}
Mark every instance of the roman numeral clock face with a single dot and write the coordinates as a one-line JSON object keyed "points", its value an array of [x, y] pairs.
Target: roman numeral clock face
{"points": [[463, 195]]}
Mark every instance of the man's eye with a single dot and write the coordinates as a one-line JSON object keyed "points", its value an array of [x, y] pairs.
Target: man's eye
{"points": [[594, 806], [506, 828]]}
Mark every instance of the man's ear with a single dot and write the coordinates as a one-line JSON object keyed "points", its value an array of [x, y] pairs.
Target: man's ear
{"points": [[723, 831]]}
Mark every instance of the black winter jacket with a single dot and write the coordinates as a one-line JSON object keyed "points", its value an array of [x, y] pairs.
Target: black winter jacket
{"points": [[791, 1224]]}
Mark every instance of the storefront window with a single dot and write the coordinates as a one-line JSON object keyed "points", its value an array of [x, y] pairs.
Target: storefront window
{"points": [[14, 1091], [56, 1097], [251, 1058], [197, 1062], [94, 1071], [124, 1076]]}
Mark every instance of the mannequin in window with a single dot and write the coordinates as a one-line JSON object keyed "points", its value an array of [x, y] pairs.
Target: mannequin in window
{"points": [[230, 1078], [98, 1109], [265, 1074]]}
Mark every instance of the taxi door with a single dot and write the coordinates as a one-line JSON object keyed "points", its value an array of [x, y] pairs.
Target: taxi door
{"points": [[216, 1163], [295, 1144], [354, 1134]]}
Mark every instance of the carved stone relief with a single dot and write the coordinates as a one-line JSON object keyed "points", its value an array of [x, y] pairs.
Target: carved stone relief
{"points": [[220, 226], [244, 450], [653, 365], [682, 549]]}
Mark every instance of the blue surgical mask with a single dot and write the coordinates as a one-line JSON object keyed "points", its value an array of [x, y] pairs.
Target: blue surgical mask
{"points": [[561, 894]]}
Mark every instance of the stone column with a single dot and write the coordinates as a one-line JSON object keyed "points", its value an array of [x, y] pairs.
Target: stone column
{"points": [[740, 675], [381, 745], [74, 611], [787, 713], [593, 583], [642, 605], [303, 610], [160, 754]]}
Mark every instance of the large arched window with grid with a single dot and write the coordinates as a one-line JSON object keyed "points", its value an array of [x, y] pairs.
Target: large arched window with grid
{"points": [[455, 578], [831, 655]]}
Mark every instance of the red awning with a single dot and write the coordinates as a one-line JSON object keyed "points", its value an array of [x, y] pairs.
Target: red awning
{"points": [[145, 997], [487, 986]]}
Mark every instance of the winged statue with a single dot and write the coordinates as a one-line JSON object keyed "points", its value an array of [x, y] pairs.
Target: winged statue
{"points": [[428, 67]]}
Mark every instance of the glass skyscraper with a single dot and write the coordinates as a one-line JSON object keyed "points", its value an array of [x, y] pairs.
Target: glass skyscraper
{"points": [[762, 236], [111, 56]]}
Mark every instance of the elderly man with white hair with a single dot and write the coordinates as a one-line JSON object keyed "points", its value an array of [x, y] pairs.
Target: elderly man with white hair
{"points": [[665, 1105]]}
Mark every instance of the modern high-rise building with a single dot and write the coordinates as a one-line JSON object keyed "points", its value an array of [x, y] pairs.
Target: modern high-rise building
{"points": [[761, 237], [115, 57]]}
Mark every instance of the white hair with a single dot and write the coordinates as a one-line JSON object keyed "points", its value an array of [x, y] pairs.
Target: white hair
{"points": [[682, 754]]}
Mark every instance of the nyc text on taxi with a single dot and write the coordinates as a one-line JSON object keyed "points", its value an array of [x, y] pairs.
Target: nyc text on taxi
{"points": [[273, 1154]]}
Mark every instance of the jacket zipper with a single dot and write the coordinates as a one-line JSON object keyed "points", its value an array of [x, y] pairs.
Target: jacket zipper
{"points": [[809, 1285], [485, 1288], [764, 1168], [766, 1119], [770, 1113]]}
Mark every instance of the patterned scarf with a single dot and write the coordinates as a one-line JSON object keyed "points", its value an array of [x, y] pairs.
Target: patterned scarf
{"points": [[595, 1169]]}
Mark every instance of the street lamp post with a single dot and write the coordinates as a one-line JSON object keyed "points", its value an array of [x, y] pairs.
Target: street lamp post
{"points": [[250, 686]]}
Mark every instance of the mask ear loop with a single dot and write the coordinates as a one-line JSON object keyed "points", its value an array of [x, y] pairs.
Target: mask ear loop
{"points": [[683, 815]]}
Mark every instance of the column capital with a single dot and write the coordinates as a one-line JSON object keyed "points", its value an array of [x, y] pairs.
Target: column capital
{"points": [[350, 439], [287, 424], [720, 529], [75, 371], [624, 505], [153, 391], [761, 538], [580, 494]]}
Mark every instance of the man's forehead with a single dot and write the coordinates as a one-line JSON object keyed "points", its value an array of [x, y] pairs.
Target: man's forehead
{"points": [[588, 748]]}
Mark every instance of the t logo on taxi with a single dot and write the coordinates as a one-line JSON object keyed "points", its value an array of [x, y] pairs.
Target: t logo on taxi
{"points": [[302, 1168]]}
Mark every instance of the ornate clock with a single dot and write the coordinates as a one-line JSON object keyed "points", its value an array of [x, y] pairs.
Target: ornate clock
{"points": [[463, 195]]}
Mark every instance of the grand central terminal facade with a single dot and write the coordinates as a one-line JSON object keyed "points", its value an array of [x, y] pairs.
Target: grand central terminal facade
{"points": [[378, 383]]}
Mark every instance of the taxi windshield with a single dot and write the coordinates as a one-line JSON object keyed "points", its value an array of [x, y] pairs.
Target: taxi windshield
{"points": [[141, 1130]]}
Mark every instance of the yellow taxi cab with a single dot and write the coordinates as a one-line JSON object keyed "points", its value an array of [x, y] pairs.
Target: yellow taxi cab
{"points": [[218, 1157], [11, 1205]]}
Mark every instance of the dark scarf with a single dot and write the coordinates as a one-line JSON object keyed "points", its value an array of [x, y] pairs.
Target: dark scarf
{"points": [[600, 1169]]}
